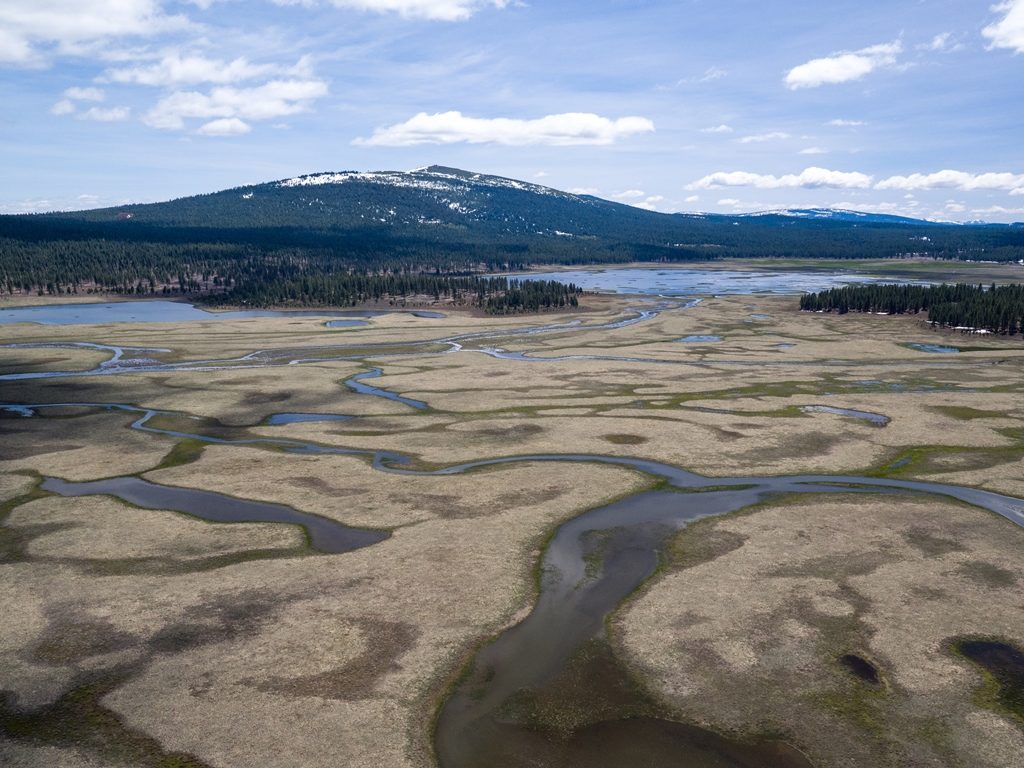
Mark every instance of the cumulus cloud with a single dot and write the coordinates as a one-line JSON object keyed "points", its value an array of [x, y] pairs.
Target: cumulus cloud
{"points": [[760, 138], [584, 190], [1008, 32], [571, 128], [998, 210], [723, 128], [63, 107], [814, 151], [225, 126], [968, 182], [31, 31], [943, 43], [809, 178], [273, 99], [67, 105], [178, 70], [843, 66], [435, 10], [105, 114], [649, 203], [85, 94]]}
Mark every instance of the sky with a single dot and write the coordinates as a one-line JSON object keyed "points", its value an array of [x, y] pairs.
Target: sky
{"points": [[910, 107]]}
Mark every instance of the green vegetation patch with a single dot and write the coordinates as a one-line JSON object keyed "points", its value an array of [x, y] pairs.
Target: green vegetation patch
{"points": [[964, 413], [78, 720]]}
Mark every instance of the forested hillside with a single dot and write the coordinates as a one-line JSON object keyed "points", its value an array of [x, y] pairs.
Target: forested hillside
{"points": [[261, 241], [999, 308]]}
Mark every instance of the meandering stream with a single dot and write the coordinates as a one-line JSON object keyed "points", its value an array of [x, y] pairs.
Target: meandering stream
{"points": [[559, 652], [487, 720]]}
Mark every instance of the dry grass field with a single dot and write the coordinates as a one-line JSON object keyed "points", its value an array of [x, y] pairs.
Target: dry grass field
{"points": [[139, 637]]}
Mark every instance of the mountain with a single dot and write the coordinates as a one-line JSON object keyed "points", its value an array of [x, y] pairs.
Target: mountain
{"points": [[437, 196], [845, 215], [451, 219]]}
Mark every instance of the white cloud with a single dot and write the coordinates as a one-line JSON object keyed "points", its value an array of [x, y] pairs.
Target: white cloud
{"points": [[760, 138], [1019, 191], [1008, 32], [105, 114], [639, 199], [85, 94], [997, 210], [723, 128], [943, 43], [62, 107], [435, 10], [276, 98], [572, 128], [729, 201], [692, 199], [713, 73], [225, 126], [840, 123], [66, 106], [962, 180], [843, 66], [584, 190], [809, 178], [650, 203], [814, 151], [177, 70], [31, 31]]}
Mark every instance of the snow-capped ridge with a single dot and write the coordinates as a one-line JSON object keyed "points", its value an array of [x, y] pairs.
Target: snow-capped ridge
{"points": [[434, 178]]}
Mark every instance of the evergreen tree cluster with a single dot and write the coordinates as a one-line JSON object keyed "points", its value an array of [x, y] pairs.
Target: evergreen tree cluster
{"points": [[496, 295], [222, 273], [997, 308]]}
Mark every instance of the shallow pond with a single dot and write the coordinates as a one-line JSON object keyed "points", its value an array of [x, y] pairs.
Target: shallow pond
{"points": [[279, 419], [699, 339], [877, 419], [1005, 664], [700, 282], [937, 349]]}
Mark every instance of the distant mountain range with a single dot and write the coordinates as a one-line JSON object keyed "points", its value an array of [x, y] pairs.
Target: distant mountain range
{"points": [[471, 217], [438, 195]]}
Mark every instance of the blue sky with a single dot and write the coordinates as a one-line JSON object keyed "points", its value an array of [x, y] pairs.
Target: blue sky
{"points": [[913, 107]]}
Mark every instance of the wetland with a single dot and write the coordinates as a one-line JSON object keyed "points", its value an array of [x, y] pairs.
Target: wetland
{"points": [[562, 541]]}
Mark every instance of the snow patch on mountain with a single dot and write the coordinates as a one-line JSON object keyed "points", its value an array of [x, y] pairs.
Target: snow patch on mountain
{"points": [[432, 179]]}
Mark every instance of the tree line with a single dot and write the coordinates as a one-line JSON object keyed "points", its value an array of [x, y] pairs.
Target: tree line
{"points": [[995, 308], [495, 295]]}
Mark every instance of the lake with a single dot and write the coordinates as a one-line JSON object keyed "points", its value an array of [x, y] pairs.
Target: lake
{"points": [[160, 311], [700, 282]]}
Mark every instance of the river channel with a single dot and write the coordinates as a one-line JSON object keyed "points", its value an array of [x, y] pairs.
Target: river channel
{"points": [[559, 655]]}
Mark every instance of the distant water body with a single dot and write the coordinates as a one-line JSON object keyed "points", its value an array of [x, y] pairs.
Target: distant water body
{"points": [[703, 282], [159, 311]]}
